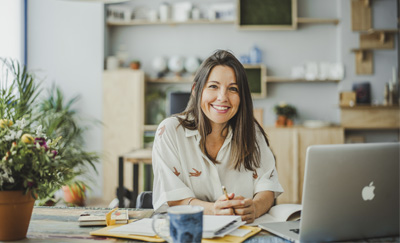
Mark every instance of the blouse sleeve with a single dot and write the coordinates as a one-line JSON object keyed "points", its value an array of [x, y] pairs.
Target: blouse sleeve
{"points": [[168, 185], [267, 176]]}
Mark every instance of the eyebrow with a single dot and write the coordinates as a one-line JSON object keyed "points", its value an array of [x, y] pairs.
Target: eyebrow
{"points": [[214, 81]]}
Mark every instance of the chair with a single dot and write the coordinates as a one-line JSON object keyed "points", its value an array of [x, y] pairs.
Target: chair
{"points": [[145, 200]]}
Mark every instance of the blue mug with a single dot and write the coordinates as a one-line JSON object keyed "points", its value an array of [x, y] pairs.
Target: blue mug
{"points": [[181, 224]]}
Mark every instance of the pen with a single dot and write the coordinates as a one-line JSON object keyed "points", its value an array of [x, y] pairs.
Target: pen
{"points": [[225, 192]]}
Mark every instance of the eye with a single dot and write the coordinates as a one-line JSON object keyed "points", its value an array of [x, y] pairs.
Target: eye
{"points": [[212, 86], [234, 89]]}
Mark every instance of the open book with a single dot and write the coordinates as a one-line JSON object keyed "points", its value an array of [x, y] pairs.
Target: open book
{"points": [[280, 213], [98, 217]]}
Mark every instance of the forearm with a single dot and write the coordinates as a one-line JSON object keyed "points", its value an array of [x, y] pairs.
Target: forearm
{"points": [[208, 206], [263, 201]]}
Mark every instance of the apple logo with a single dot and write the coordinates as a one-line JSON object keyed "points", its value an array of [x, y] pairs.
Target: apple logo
{"points": [[368, 192]]}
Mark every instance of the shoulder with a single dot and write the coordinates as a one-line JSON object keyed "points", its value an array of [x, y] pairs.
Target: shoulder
{"points": [[170, 126], [169, 122]]}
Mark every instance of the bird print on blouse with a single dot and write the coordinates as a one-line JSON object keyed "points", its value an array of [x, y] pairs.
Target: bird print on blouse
{"points": [[272, 174], [162, 130], [176, 172], [255, 175], [196, 173]]}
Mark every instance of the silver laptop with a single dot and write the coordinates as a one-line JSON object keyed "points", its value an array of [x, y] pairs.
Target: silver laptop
{"points": [[351, 191]]}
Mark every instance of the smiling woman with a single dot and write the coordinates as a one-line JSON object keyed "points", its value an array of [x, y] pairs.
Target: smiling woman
{"points": [[216, 141]]}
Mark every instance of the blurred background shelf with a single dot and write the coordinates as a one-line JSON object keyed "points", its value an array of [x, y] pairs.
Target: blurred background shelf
{"points": [[275, 79]]}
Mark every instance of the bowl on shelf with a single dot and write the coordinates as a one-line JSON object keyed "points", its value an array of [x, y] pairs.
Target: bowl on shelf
{"points": [[316, 123]]}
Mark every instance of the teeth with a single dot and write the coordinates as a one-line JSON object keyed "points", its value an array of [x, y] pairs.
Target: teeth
{"points": [[221, 108]]}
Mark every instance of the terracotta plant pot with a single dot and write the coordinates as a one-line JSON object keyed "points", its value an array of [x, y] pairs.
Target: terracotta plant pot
{"points": [[15, 214], [135, 65], [280, 121], [74, 195]]}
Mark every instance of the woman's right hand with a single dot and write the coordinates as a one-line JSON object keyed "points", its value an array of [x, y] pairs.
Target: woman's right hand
{"points": [[224, 206]]}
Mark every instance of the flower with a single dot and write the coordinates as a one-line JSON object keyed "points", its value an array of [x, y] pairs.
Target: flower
{"points": [[285, 110], [31, 163]]}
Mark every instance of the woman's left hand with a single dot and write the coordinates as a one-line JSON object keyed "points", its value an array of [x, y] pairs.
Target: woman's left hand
{"points": [[247, 210]]}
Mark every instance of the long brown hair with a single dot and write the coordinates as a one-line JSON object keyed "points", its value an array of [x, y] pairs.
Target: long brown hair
{"points": [[245, 149]]}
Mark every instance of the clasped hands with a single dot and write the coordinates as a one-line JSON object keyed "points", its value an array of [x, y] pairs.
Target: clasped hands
{"points": [[236, 205]]}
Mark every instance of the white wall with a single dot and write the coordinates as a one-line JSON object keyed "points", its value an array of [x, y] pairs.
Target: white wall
{"points": [[12, 29], [65, 46]]}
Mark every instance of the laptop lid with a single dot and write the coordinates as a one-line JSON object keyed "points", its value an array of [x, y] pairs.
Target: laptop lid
{"points": [[351, 191]]}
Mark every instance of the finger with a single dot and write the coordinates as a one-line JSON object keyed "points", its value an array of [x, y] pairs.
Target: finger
{"points": [[245, 203], [243, 211], [238, 197], [231, 203], [248, 218], [226, 211]]}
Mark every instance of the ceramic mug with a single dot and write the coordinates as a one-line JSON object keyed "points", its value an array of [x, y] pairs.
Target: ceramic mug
{"points": [[180, 224]]}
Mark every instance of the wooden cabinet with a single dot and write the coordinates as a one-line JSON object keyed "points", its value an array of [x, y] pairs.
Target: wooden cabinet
{"points": [[289, 145], [123, 117], [370, 117]]}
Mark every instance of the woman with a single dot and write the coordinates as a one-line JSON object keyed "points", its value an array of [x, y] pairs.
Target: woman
{"points": [[215, 142]]}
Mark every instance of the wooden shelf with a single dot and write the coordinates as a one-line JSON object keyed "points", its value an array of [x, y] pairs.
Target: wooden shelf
{"points": [[274, 79], [170, 80], [138, 22], [373, 31], [304, 20], [370, 107], [150, 128], [370, 117]]}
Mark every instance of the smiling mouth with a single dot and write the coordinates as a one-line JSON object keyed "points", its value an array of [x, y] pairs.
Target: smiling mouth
{"points": [[220, 108]]}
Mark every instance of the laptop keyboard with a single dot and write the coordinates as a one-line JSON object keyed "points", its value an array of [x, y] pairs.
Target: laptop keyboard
{"points": [[297, 231]]}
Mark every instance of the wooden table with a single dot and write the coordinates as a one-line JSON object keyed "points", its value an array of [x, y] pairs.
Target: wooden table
{"points": [[60, 224], [135, 157]]}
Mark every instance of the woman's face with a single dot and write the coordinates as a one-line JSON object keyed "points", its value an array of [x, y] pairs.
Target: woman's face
{"points": [[220, 97]]}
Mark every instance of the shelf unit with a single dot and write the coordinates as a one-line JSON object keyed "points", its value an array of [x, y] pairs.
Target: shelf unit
{"points": [[274, 79], [142, 22], [305, 20], [370, 39], [170, 80], [138, 22], [362, 117]]}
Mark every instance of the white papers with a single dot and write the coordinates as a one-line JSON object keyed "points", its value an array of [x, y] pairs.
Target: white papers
{"points": [[220, 225], [138, 227], [213, 226]]}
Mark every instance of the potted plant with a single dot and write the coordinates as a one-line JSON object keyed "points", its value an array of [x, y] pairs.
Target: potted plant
{"points": [[33, 164], [285, 114], [58, 114], [135, 64]]}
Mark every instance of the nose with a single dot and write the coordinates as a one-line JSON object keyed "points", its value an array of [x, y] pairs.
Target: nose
{"points": [[222, 95]]}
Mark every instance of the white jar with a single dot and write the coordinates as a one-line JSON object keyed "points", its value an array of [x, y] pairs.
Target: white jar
{"points": [[164, 12], [112, 63]]}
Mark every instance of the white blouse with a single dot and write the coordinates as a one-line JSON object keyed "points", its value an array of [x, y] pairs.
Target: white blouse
{"points": [[181, 170]]}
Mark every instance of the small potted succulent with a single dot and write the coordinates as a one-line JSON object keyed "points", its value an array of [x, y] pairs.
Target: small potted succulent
{"points": [[135, 64], [285, 114]]}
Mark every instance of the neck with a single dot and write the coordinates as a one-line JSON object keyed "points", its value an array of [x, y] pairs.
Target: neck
{"points": [[218, 131]]}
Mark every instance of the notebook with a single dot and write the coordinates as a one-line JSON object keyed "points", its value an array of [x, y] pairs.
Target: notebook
{"points": [[351, 191]]}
